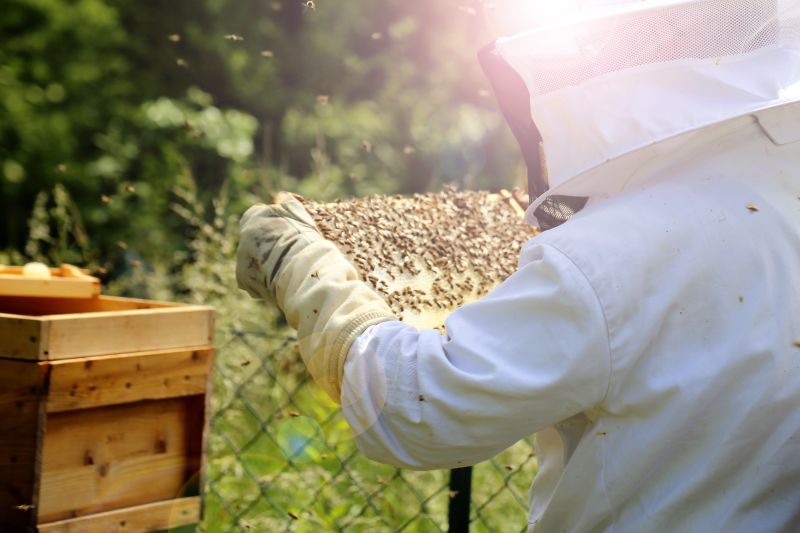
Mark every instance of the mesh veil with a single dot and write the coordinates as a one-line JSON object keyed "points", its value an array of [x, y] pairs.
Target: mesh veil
{"points": [[574, 51], [610, 36]]}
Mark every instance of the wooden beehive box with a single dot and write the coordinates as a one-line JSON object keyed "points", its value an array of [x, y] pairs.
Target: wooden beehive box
{"points": [[428, 254], [65, 282], [102, 413]]}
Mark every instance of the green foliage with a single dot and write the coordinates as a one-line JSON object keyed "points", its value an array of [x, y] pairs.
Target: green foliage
{"points": [[352, 98], [134, 134], [56, 233]]}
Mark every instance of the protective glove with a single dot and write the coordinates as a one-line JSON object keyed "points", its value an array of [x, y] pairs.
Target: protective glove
{"points": [[284, 259]]}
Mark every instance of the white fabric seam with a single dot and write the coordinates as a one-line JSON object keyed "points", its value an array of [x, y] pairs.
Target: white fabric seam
{"points": [[602, 312]]}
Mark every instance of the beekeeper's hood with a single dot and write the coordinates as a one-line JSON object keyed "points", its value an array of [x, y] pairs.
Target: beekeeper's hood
{"points": [[612, 79]]}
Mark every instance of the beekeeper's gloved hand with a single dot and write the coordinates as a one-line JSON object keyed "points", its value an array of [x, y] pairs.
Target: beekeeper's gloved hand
{"points": [[283, 258]]}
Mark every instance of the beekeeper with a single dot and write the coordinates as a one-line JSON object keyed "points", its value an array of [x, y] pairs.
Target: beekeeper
{"points": [[652, 341]]}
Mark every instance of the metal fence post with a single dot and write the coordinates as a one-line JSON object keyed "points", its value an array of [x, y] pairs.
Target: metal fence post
{"points": [[460, 496]]}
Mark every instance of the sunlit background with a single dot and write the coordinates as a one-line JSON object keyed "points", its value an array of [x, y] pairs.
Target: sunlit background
{"points": [[112, 110], [133, 134]]}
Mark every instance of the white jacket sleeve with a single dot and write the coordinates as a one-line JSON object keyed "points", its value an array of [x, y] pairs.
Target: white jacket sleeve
{"points": [[531, 353]]}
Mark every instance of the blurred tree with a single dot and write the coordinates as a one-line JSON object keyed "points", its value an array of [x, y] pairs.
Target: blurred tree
{"points": [[63, 77], [122, 101]]}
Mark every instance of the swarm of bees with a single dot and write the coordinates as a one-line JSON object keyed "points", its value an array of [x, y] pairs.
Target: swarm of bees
{"points": [[428, 254]]}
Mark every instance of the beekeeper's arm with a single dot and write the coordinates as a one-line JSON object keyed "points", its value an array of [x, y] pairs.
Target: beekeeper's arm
{"points": [[283, 258], [530, 354]]}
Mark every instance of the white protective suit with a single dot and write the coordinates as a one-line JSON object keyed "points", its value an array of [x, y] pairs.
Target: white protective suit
{"points": [[652, 342]]}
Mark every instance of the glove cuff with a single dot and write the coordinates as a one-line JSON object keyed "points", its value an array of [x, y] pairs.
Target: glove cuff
{"points": [[344, 341], [322, 297]]}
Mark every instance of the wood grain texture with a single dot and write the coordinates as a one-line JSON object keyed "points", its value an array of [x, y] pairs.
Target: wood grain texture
{"points": [[109, 380], [138, 519], [83, 335], [203, 450], [98, 460], [22, 337], [66, 282], [53, 288], [56, 328], [32, 306], [22, 387]]}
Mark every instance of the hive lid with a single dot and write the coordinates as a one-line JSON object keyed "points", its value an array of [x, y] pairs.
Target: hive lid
{"points": [[65, 282]]}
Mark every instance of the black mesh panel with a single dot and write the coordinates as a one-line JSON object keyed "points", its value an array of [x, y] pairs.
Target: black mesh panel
{"points": [[557, 209]]}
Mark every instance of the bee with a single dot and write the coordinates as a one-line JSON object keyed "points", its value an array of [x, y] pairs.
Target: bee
{"points": [[309, 5], [234, 37]]}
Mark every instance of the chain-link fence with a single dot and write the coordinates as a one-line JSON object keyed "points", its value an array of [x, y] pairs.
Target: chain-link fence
{"points": [[281, 457]]}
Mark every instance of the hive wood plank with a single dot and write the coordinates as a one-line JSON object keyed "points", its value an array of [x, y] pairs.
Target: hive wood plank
{"points": [[66, 282], [108, 380], [56, 328], [138, 519], [22, 337], [118, 456], [39, 306], [83, 335], [22, 387]]}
